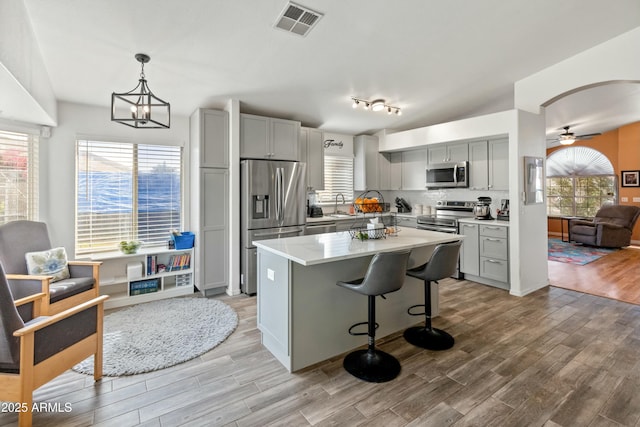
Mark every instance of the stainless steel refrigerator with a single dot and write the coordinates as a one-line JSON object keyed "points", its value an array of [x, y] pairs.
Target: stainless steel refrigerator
{"points": [[272, 205]]}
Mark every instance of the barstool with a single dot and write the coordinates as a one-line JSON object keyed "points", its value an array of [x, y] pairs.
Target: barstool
{"points": [[442, 264], [385, 274]]}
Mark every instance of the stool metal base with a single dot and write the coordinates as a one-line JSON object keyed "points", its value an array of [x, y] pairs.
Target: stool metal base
{"points": [[431, 338], [373, 366]]}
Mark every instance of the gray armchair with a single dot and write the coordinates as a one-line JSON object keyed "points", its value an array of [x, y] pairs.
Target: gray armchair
{"points": [[35, 349], [20, 237], [610, 228]]}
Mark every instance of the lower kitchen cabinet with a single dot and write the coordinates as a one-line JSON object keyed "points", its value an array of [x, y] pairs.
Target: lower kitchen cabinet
{"points": [[470, 250], [484, 257]]}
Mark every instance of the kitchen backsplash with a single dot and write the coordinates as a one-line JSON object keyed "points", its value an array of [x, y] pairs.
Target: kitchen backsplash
{"points": [[430, 197]]}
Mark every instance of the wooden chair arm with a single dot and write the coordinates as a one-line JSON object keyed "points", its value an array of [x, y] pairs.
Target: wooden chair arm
{"points": [[28, 277], [62, 315], [94, 263], [30, 298]]}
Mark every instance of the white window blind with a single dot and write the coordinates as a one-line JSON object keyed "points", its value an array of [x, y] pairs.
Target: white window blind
{"points": [[126, 192], [18, 176], [338, 178]]}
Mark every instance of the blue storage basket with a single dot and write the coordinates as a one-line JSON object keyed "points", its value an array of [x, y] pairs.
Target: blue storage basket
{"points": [[185, 240]]}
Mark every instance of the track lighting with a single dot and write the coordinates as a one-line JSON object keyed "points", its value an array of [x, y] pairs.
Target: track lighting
{"points": [[376, 105]]}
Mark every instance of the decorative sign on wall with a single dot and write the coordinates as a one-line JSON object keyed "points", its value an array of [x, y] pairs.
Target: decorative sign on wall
{"points": [[338, 145]]}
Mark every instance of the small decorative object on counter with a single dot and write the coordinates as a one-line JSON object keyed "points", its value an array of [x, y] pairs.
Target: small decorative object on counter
{"points": [[129, 246]]}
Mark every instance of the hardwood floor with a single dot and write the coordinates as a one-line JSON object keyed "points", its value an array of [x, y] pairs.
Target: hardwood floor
{"points": [[554, 358], [612, 276]]}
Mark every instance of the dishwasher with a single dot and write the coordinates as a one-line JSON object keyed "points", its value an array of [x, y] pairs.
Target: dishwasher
{"points": [[319, 227]]}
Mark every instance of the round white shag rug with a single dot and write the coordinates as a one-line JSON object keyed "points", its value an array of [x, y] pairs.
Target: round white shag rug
{"points": [[155, 335]]}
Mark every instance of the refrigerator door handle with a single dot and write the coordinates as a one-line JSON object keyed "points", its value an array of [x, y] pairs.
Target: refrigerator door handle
{"points": [[278, 185]]}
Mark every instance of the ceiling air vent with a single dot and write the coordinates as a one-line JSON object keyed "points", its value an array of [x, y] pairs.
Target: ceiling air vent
{"points": [[297, 19]]}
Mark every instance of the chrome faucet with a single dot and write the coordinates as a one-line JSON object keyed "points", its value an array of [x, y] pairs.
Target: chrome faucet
{"points": [[335, 208]]}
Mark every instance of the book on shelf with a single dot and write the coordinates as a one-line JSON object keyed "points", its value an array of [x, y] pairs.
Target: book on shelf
{"points": [[152, 264], [144, 286], [179, 262]]}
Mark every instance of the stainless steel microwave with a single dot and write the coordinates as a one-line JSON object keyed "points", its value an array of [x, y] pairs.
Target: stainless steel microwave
{"points": [[448, 175]]}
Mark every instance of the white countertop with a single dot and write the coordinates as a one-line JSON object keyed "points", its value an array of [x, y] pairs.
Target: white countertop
{"points": [[329, 218], [329, 247], [484, 221]]}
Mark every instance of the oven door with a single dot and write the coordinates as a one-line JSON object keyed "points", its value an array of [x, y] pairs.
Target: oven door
{"points": [[457, 275], [441, 229]]}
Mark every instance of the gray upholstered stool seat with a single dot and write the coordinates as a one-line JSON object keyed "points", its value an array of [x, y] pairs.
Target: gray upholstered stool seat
{"points": [[385, 274], [442, 264]]}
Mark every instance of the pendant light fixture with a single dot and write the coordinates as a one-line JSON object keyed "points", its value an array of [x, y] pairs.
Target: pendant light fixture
{"points": [[140, 108]]}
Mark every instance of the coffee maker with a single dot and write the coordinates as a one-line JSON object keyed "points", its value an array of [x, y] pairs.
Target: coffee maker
{"points": [[503, 212]]}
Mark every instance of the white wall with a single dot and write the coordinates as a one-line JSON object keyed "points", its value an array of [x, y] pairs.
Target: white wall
{"points": [[614, 60], [26, 90], [57, 160]]}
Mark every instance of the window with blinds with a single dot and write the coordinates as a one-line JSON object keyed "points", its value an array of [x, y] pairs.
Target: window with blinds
{"points": [[126, 192], [579, 181], [338, 178], [18, 176]]}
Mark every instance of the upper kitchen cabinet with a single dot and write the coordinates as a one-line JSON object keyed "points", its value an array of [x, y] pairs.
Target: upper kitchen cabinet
{"points": [[365, 165], [373, 170], [414, 164], [499, 164], [312, 152], [209, 135], [268, 138], [489, 165], [442, 153], [478, 166]]}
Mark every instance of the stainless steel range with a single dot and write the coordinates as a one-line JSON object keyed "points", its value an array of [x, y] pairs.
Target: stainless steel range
{"points": [[445, 220]]}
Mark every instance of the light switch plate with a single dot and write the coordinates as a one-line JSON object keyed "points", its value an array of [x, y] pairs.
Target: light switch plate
{"points": [[271, 274], [636, 199], [624, 199]]}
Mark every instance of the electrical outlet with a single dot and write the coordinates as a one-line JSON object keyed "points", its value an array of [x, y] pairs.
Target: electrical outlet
{"points": [[624, 199], [636, 199]]}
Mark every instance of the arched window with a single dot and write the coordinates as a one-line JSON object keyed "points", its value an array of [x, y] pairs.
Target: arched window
{"points": [[579, 181]]}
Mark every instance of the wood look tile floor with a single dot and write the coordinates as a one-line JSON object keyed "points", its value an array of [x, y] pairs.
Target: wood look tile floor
{"points": [[553, 358]]}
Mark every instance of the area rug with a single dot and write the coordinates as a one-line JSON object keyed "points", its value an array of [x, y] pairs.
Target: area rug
{"points": [[575, 253], [156, 335]]}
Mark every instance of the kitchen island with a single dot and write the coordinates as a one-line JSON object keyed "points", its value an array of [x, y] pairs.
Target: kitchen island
{"points": [[304, 316]]}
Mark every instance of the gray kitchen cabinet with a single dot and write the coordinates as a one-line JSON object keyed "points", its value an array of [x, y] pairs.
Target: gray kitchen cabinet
{"points": [[268, 138], [494, 253], [498, 165], [312, 153], [209, 198], [212, 241], [441, 153], [478, 166], [395, 170], [209, 133], [470, 251], [366, 163], [489, 165], [414, 164], [484, 257]]}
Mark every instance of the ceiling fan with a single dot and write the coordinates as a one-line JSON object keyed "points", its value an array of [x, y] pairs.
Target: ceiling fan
{"points": [[568, 138]]}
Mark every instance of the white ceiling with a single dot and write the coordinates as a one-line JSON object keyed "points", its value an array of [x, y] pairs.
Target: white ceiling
{"points": [[438, 61]]}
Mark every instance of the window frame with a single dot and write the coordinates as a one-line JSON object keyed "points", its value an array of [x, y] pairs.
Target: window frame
{"points": [[31, 148], [328, 197], [135, 199], [574, 206]]}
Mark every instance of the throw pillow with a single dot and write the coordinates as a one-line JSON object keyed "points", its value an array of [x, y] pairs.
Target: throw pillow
{"points": [[48, 263]]}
